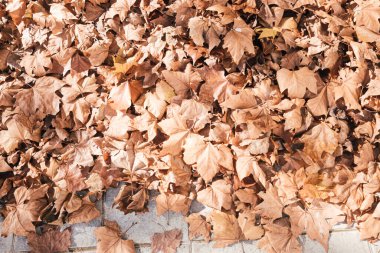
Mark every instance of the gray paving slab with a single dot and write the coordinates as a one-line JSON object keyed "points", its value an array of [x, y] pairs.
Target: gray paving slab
{"points": [[5, 244], [203, 247]]}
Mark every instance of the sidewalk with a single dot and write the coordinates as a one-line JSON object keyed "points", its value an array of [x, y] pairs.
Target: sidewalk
{"points": [[342, 239]]}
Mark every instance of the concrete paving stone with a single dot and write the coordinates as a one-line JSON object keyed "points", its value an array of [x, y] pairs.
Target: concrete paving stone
{"points": [[348, 242], [310, 246], [5, 244], [184, 248], [343, 241], [20, 244], [203, 247], [374, 247], [137, 224], [251, 247], [82, 234]]}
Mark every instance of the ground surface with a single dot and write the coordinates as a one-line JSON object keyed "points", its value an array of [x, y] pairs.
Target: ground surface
{"points": [[343, 239]]}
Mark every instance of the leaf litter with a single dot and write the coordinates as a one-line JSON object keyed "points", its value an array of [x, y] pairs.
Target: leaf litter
{"points": [[267, 112]]}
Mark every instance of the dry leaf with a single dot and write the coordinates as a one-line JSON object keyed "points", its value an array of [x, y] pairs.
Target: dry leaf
{"points": [[296, 82], [109, 239], [225, 228], [50, 242], [198, 226], [166, 242]]}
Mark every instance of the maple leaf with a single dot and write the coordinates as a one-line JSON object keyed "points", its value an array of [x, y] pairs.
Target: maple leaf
{"points": [[16, 9], [320, 139], [216, 86], [79, 63], [198, 226], [86, 213], [271, 207], [70, 178], [20, 128], [177, 129], [279, 238], [41, 98], [218, 195], [35, 64], [239, 40], [244, 100], [247, 165], [203, 29], [183, 10], [26, 209], [313, 221], [166, 242], [349, 88], [183, 82], [109, 239], [131, 197], [122, 96], [247, 222], [368, 16], [318, 105], [50, 242], [172, 202], [225, 228], [208, 157], [296, 82], [97, 53]]}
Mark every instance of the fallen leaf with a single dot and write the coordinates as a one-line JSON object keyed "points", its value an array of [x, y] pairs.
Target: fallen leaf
{"points": [[50, 242], [109, 239], [166, 242], [296, 82], [218, 195], [225, 228], [239, 40], [198, 226], [172, 202]]}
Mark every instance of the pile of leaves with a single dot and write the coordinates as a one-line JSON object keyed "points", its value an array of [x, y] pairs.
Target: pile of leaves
{"points": [[266, 111]]}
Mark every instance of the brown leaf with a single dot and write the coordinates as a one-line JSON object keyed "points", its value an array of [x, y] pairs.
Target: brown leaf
{"points": [[216, 86], [198, 226], [320, 139], [50, 242], [296, 82], [172, 202], [86, 213], [247, 165], [279, 238], [41, 99], [314, 221], [218, 195], [183, 83], [208, 157], [122, 96], [247, 222], [131, 198], [109, 239], [271, 207], [16, 9], [239, 40], [29, 203], [225, 228], [166, 242], [37, 63]]}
